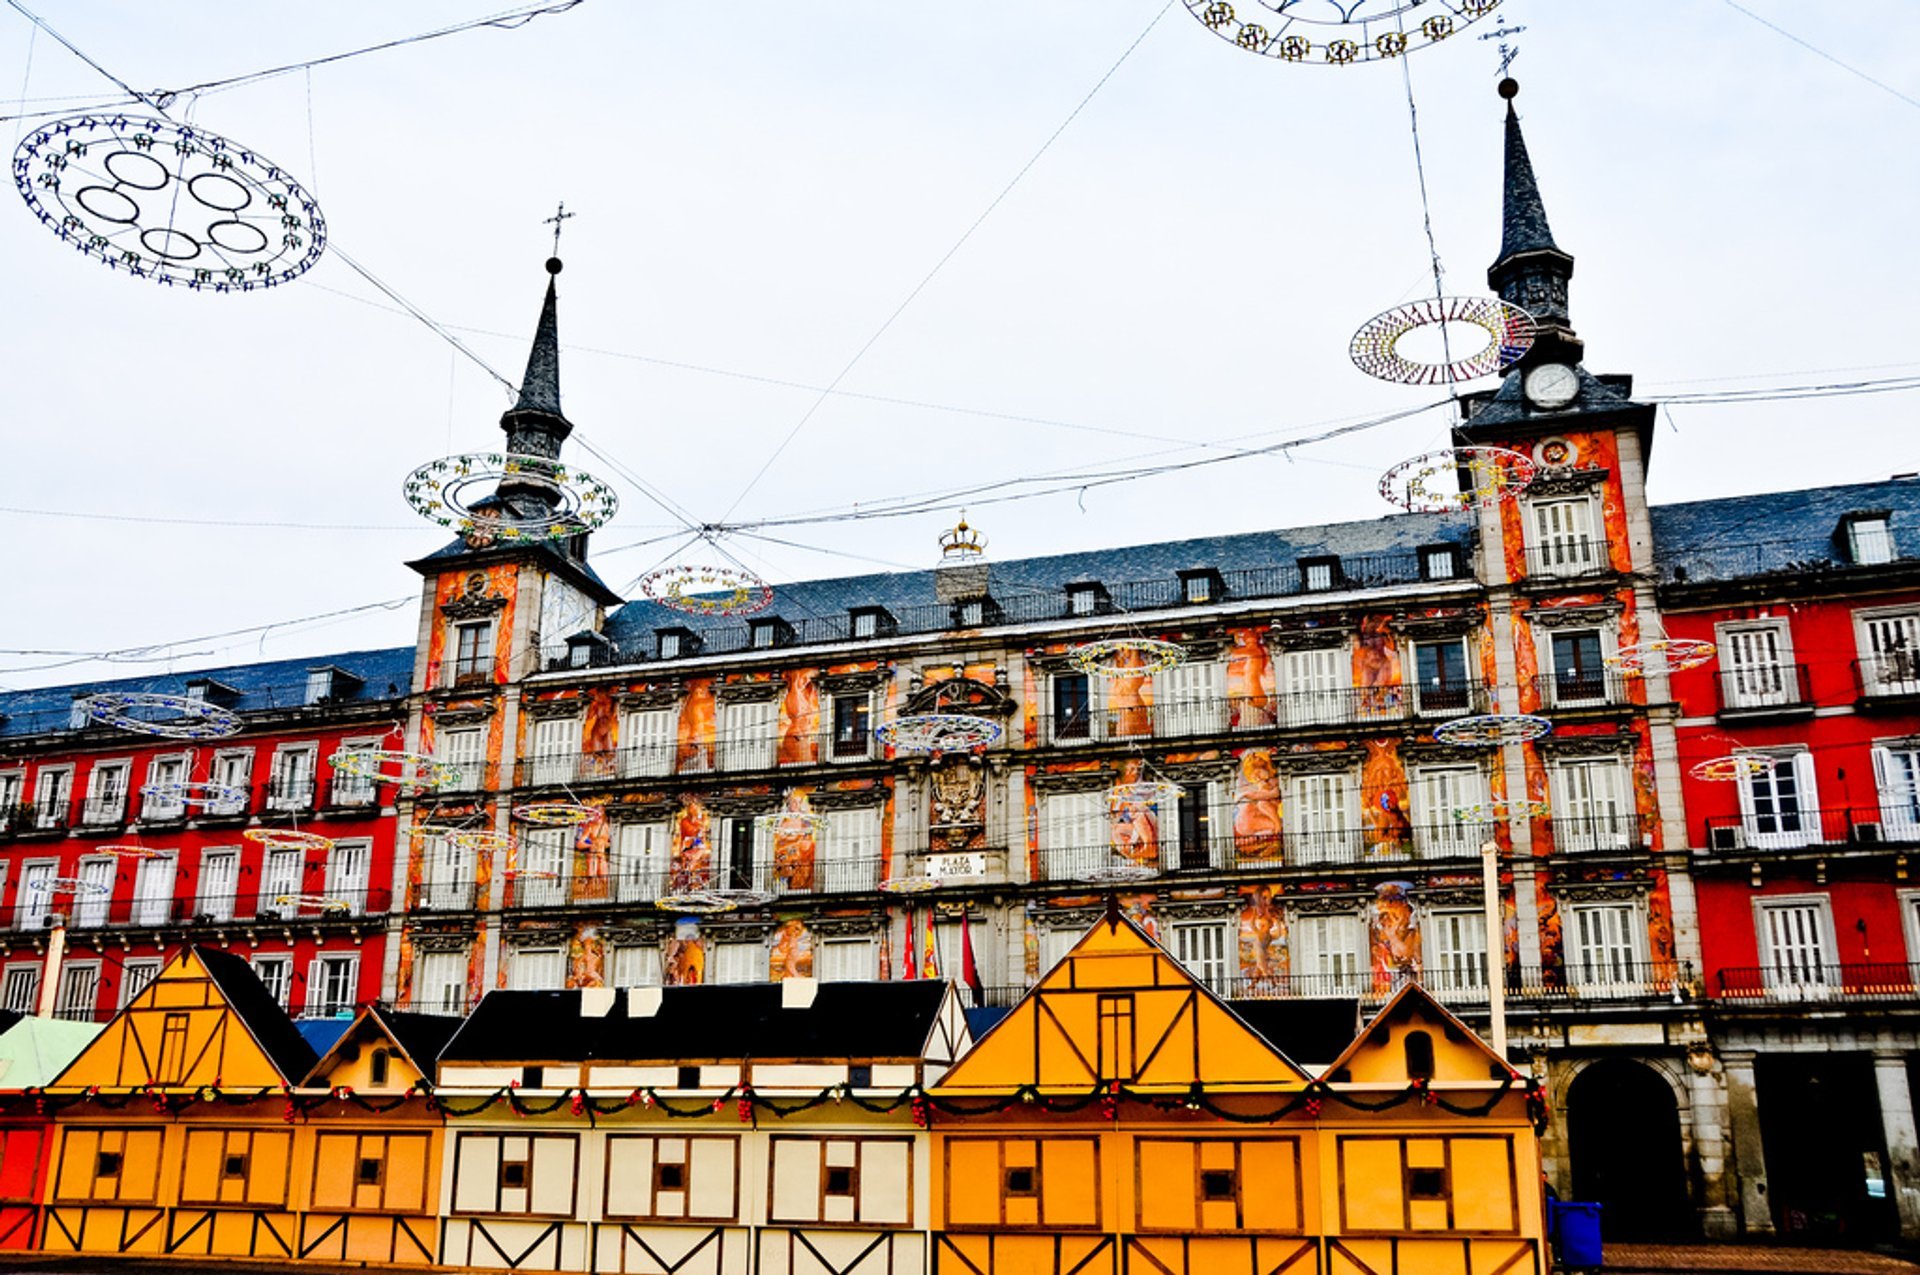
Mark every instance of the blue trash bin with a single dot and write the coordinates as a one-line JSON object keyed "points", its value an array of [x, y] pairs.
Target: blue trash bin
{"points": [[1574, 1226]]}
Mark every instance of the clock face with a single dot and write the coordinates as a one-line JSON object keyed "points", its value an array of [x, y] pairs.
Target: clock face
{"points": [[1552, 385]]}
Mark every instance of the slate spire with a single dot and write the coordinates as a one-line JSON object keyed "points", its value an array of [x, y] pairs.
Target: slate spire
{"points": [[535, 425], [1532, 271]]}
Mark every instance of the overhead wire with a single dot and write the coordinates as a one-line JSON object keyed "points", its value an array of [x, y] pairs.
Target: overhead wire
{"points": [[1848, 67]]}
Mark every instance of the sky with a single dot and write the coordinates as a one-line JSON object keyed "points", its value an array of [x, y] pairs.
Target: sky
{"points": [[774, 198]]}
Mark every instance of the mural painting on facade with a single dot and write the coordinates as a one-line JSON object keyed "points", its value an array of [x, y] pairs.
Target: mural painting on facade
{"points": [[685, 961], [498, 582], [1256, 807], [1393, 934], [795, 846], [1376, 665], [1135, 825], [1249, 680], [799, 718], [1526, 662], [1263, 955], [792, 955], [694, 731], [692, 866], [1383, 811], [586, 957], [958, 793], [1547, 905], [1130, 697]]}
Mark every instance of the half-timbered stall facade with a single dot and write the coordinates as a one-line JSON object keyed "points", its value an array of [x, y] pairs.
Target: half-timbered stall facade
{"points": [[706, 1130], [1122, 1117], [33, 1051]]}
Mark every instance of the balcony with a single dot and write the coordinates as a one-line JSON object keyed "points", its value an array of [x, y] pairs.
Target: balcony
{"points": [[1597, 834], [125, 909], [44, 816], [1572, 559], [1452, 841], [1763, 690], [286, 795], [1558, 692], [1896, 821], [104, 812], [1795, 983], [1892, 679], [1361, 706]]}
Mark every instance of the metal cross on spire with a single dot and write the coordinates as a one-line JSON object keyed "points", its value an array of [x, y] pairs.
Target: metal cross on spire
{"points": [[562, 215], [1503, 33]]}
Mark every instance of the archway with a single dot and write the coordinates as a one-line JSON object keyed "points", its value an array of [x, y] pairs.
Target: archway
{"points": [[1623, 1142]]}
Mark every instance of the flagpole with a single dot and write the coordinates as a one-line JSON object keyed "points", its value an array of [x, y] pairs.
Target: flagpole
{"points": [[1496, 945]]}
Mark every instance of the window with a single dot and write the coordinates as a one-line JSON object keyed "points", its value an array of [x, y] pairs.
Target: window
{"points": [[370, 1170], [852, 726], [346, 880], [1054, 946], [1076, 834], [1316, 683], [1198, 587], [52, 791], [464, 748], [739, 962], [1439, 562], [90, 908], [233, 770], [472, 650], [282, 874], [80, 716], [170, 1067], [668, 643], [1603, 948], [79, 989], [1072, 706], [1456, 952], [871, 622], [449, 872], [1890, 653], [974, 613], [537, 968], [276, 975], [440, 983], [106, 793], [1023, 1180], [748, 731], [1085, 599], [1319, 574], [1579, 677], [1219, 1184], [20, 988], [1440, 677], [1777, 805], [1323, 819], [1447, 823], [290, 786], [1756, 666], [840, 1179], [556, 750], [219, 879], [1193, 824], [849, 850], [162, 797], [545, 870], [641, 854], [12, 788], [1190, 698], [350, 787], [769, 633], [1201, 946], [135, 974], [1896, 777], [153, 890], [1329, 955], [1563, 543], [331, 985], [846, 960], [1869, 540], [865, 624], [36, 895], [1796, 943], [647, 742], [635, 965], [1115, 1058], [1593, 809], [1418, 1048], [1426, 1183]]}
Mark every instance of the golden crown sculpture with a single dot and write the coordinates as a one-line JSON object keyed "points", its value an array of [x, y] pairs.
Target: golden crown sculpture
{"points": [[962, 541]]}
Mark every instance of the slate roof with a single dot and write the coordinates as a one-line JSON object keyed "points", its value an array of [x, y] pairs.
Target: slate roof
{"points": [[249, 998], [846, 1020], [1777, 531], [1523, 217], [423, 1036], [273, 684], [1311, 1031]]}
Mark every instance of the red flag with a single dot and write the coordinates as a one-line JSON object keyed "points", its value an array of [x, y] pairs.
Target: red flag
{"points": [[908, 968], [969, 972]]}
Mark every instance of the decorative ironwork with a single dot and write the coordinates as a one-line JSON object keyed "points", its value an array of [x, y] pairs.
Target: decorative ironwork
{"points": [[707, 590], [1509, 332], [69, 886], [169, 202], [205, 792], [192, 718], [443, 491], [910, 885], [938, 733], [1351, 30], [392, 766], [556, 814], [1733, 766], [1126, 656], [1492, 728], [318, 902], [1493, 474], [288, 839], [1636, 659]]}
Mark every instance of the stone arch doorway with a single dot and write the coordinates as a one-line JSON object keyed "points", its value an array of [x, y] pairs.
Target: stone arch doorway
{"points": [[1624, 1148]]}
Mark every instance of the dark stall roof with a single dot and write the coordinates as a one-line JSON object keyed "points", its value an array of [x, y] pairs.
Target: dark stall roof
{"points": [[249, 998], [1313, 1031]]}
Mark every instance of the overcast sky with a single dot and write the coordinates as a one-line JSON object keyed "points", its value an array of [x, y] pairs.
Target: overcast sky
{"points": [[760, 185]]}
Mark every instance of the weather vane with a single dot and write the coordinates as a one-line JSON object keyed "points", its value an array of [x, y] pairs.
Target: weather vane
{"points": [[561, 215], [1502, 32]]}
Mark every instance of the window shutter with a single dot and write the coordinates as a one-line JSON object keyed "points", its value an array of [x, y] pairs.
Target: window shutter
{"points": [[647, 740], [316, 989]]}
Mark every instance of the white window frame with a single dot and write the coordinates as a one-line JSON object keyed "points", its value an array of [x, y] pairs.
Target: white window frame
{"points": [[275, 971], [1597, 680], [20, 986], [218, 904], [162, 809], [1427, 699], [440, 994], [1893, 670], [1605, 962], [857, 750], [1453, 944], [1329, 954], [847, 959], [1806, 813], [746, 732], [78, 997], [449, 872], [52, 810], [154, 882], [1579, 825], [1208, 950], [283, 872], [465, 748], [135, 974], [1909, 901], [847, 851], [33, 907], [554, 750], [1438, 794], [480, 664], [544, 850], [352, 788], [92, 909], [1756, 664], [1096, 723], [1190, 699], [107, 783], [1219, 813], [739, 961], [1076, 834], [1870, 540], [1570, 549], [642, 858], [636, 965], [1322, 820], [331, 993], [232, 767], [1896, 782], [1316, 685], [648, 741], [13, 793], [348, 867], [1789, 973], [284, 772]]}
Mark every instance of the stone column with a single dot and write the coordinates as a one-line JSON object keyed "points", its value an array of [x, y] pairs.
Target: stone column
{"points": [[1749, 1160], [1903, 1148], [1708, 1109]]}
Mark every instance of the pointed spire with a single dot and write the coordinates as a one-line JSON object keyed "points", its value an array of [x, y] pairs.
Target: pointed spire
{"points": [[1532, 271], [535, 425]]}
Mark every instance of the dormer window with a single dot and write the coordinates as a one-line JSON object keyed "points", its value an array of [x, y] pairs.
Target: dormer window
{"points": [[770, 632], [79, 718], [974, 613], [214, 692], [1317, 575], [329, 683], [588, 649], [1088, 599], [1869, 539], [1197, 587], [871, 622], [1439, 562], [672, 644]]}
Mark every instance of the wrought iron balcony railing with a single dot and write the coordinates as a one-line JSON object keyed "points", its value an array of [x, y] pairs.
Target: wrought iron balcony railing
{"points": [[1792, 981], [1600, 833], [1893, 675], [1602, 688], [1756, 689], [1773, 557], [1568, 559], [1453, 840], [287, 794], [127, 907], [1896, 820]]}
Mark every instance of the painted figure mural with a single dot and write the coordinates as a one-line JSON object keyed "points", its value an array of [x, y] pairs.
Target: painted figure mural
{"points": [[1256, 807], [799, 718], [1263, 942], [792, 954], [1395, 937], [1249, 680], [794, 843], [692, 848], [697, 716], [1136, 824], [1383, 808]]}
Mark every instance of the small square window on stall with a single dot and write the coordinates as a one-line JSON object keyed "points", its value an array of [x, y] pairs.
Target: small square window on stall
{"points": [[1218, 1184]]}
